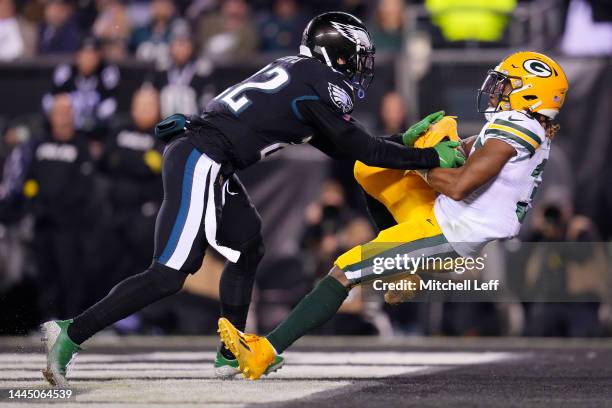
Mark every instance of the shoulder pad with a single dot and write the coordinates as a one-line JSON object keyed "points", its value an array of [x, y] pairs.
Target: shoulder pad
{"points": [[516, 127]]}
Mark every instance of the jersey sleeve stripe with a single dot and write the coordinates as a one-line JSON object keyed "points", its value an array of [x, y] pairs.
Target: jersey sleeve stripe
{"points": [[520, 128], [294, 102], [510, 136], [517, 133]]}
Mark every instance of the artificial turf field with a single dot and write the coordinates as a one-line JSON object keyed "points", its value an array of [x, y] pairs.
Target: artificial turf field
{"points": [[322, 372]]}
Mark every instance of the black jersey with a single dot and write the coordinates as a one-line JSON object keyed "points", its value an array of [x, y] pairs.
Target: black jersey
{"points": [[294, 100], [93, 97], [62, 172]]}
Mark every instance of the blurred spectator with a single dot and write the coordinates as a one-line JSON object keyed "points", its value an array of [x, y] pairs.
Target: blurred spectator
{"points": [[150, 43], [112, 27], [332, 227], [17, 36], [281, 30], [132, 161], [387, 29], [92, 85], [229, 33], [198, 7], [59, 34], [568, 278], [58, 190], [33, 11], [588, 28], [15, 157], [182, 86], [392, 114]]}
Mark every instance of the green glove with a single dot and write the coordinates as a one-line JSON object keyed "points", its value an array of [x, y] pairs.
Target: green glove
{"points": [[449, 155], [412, 134]]}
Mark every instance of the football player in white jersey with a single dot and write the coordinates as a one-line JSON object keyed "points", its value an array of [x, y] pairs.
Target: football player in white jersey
{"points": [[448, 211], [488, 197]]}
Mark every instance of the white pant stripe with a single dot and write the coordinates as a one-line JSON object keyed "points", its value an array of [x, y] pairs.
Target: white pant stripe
{"points": [[210, 219], [197, 210], [194, 214]]}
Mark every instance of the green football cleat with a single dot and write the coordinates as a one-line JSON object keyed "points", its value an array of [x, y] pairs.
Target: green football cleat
{"points": [[225, 367], [61, 351], [276, 365], [228, 368]]}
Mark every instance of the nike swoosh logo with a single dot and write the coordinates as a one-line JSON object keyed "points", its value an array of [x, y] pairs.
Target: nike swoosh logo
{"points": [[511, 119], [228, 190]]}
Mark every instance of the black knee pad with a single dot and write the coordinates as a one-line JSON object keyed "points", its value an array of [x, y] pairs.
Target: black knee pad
{"points": [[167, 280]]}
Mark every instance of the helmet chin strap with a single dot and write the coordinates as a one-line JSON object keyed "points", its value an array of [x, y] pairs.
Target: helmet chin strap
{"points": [[327, 60]]}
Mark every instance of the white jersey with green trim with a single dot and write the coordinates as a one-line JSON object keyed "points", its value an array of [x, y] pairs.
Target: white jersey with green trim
{"points": [[496, 209]]}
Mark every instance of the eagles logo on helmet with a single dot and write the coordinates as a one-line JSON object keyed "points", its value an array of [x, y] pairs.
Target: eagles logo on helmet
{"points": [[351, 53]]}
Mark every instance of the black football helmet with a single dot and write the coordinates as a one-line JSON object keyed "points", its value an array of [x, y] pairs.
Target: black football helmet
{"points": [[343, 42]]}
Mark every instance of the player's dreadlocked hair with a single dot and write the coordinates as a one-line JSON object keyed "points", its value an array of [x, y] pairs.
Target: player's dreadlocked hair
{"points": [[549, 125]]}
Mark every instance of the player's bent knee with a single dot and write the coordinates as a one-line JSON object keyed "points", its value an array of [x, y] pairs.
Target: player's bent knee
{"points": [[168, 280], [251, 252], [339, 275]]}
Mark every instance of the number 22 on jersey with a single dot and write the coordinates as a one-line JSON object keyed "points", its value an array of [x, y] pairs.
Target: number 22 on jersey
{"points": [[270, 80]]}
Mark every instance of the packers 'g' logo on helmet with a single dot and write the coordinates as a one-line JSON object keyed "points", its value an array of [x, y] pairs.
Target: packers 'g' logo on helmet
{"points": [[537, 84], [537, 68]]}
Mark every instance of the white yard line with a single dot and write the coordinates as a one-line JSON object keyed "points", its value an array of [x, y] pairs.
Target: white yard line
{"points": [[183, 379]]}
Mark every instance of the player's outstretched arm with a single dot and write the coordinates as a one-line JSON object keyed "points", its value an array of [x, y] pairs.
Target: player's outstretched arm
{"points": [[484, 164], [344, 136]]}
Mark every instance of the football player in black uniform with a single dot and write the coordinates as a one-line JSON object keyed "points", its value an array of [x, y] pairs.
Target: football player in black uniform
{"points": [[296, 99]]}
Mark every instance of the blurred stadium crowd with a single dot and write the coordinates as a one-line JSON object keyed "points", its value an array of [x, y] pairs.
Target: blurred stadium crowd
{"points": [[80, 178]]}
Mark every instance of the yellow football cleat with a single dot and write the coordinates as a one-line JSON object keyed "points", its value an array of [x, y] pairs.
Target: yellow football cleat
{"points": [[254, 353]]}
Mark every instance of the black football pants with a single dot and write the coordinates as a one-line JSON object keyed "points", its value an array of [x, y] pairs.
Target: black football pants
{"points": [[200, 208]]}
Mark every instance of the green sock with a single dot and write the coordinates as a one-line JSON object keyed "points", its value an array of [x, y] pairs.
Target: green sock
{"points": [[320, 305]]}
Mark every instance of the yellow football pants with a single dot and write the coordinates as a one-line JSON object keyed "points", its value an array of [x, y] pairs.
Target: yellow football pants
{"points": [[410, 201]]}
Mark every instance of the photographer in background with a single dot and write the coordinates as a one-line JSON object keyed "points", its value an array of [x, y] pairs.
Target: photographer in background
{"points": [[328, 221], [332, 227], [566, 270]]}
